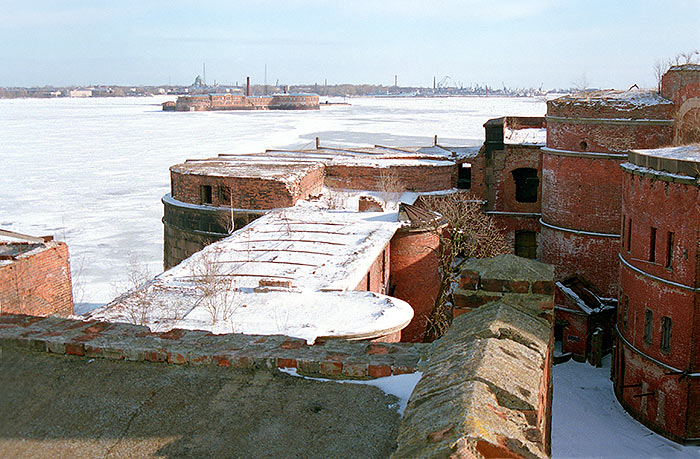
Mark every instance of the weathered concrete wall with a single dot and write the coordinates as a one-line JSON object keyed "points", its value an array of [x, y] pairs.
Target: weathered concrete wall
{"points": [[38, 282], [486, 388]]}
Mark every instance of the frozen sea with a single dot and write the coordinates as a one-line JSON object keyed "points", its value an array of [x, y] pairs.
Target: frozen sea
{"points": [[92, 171]]}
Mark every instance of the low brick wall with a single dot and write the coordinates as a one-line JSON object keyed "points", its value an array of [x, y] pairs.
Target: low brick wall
{"points": [[486, 388], [93, 339], [484, 280]]}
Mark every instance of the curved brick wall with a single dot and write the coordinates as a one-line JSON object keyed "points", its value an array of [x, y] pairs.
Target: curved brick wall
{"points": [[187, 228], [414, 276], [587, 140], [669, 204]]}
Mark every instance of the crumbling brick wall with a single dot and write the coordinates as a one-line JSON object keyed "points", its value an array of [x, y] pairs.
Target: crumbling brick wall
{"points": [[38, 282], [486, 388], [412, 178]]}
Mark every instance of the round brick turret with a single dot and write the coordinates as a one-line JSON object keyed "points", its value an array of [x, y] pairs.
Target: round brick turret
{"points": [[588, 137], [657, 366]]}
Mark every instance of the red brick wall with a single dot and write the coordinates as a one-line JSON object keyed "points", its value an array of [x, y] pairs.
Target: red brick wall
{"points": [[503, 188], [607, 138], [582, 193], [666, 206], [248, 193], [414, 276], [377, 277], [413, 178], [38, 284]]}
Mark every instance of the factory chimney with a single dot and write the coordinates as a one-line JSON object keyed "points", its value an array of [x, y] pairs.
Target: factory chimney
{"points": [[247, 86]]}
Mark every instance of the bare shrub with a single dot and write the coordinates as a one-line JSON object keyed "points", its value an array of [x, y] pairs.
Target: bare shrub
{"points": [[137, 303], [335, 200], [390, 186], [216, 289], [469, 233], [227, 220]]}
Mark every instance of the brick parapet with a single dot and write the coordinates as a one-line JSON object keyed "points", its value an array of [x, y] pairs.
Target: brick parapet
{"points": [[505, 277], [485, 390], [117, 341], [421, 178]]}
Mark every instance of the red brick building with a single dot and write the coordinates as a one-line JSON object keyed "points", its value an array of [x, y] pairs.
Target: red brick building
{"points": [[657, 363], [588, 137], [34, 276]]}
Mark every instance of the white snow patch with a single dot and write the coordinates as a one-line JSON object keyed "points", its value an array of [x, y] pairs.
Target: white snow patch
{"points": [[683, 153], [400, 386], [527, 136], [588, 421]]}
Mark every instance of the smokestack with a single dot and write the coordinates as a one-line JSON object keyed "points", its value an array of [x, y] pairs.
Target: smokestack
{"points": [[396, 80], [318, 143], [247, 86]]}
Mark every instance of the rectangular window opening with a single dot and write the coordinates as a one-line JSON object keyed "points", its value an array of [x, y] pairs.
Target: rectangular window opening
{"points": [[625, 311], [648, 322], [652, 245], [206, 194], [669, 250], [666, 334]]}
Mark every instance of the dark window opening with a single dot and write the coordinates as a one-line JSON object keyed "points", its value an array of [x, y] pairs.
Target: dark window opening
{"points": [[666, 334], [583, 145], [669, 250], [526, 184], [206, 194], [652, 246], [648, 321], [629, 234], [464, 176], [625, 311], [526, 244]]}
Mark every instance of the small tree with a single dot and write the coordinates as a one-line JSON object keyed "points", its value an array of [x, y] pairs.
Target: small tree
{"points": [[390, 186], [469, 233]]}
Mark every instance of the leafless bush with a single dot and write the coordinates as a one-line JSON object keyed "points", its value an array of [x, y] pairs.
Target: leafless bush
{"points": [[137, 303], [335, 199], [227, 220], [469, 233], [390, 186], [216, 290]]}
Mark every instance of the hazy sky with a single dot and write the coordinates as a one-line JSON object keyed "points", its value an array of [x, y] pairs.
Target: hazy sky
{"points": [[513, 42]]}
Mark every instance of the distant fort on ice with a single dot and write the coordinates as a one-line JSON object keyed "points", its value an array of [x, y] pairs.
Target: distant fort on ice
{"points": [[234, 101]]}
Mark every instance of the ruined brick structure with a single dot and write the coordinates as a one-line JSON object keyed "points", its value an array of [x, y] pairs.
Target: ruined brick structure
{"points": [[507, 173], [35, 277], [656, 365]]}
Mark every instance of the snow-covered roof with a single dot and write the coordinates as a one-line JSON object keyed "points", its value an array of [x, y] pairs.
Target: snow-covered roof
{"points": [[682, 153], [317, 258], [629, 100], [291, 164]]}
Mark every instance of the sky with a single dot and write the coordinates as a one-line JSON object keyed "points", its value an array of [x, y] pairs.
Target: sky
{"points": [[516, 43]]}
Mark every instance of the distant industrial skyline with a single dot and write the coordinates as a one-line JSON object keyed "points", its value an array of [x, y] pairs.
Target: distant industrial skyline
{"points": [[514, 43]]}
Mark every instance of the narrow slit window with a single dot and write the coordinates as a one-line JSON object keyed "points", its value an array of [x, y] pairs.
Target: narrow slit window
{"points": [[648, 322], [669, 250], [666, 334], [629, 234], [652, 245], [625, 311]]}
